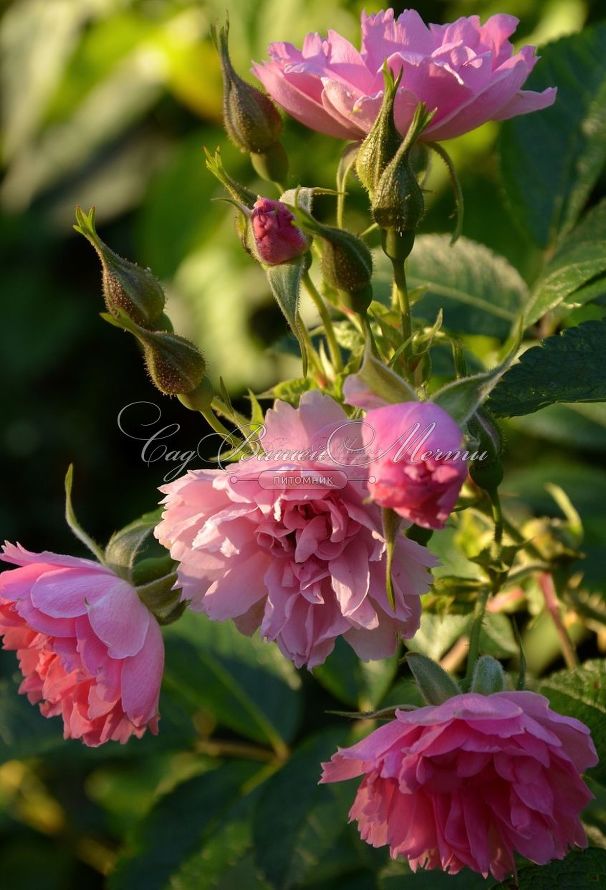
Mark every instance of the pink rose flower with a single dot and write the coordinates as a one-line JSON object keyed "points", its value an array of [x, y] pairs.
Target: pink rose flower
{"points": [[466, 70], [285, 542], [276, 238], [88, 648], [471, 782], [408, 471]]}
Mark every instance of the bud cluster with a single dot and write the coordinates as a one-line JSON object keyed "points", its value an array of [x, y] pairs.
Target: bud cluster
{"points": [[135, 302], [385, 170]]}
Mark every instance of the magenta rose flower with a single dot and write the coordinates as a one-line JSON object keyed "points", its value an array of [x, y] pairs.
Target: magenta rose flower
{"points": [[88, 648], [467, 71], [276, 238], [416, 464], [286, 542], [471, 782]]}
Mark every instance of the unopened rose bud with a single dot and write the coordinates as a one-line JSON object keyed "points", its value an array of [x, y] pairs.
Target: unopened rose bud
{"points": [[383, 140], [346, 261], [127, 287], [277, 240], [397, 201], [175, 365], [251, 120]]}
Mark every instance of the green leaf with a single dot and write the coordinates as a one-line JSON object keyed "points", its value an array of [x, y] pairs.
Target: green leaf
{"points": [[285, 283], [361, 684], [461, 398], [552, 159], [581, 693], [435, 685], [245, 683], [578, 871], [569, 367], [178, 826], [125, 544], [576, 273], [374, 379], [74, 525], [298, 821], [479, 291]]}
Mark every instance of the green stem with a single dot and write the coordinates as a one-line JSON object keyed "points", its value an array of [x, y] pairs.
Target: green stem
{"points": [[333, 346], [373, 227], [399, 298], [474, 636], [497, 515], [213, 421], [311, 352], [551, 603], [497, 576]]}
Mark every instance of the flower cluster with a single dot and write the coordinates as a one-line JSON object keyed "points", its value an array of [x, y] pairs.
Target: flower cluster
{"points": [[317, 526]]}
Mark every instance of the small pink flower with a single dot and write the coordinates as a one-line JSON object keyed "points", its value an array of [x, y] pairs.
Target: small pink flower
{"points": [[471, 782], [415, 461], [285, 542], [467, 71], [88, 648], [277, 239]]}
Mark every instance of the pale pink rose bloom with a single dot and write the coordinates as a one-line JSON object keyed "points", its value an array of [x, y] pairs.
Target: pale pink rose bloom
{"points": [[276, 238], [304, 563], [410, 470], [471, 782], [467, 71], [88, 648]]}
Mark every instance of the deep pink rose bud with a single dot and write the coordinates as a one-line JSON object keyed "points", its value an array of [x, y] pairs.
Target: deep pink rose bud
{"points": [[416, 463], [88, 648], [471, 782], [277, 239]]}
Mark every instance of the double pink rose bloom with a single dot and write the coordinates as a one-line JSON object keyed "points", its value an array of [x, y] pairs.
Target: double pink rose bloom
{"points": [[467, 71], [287, 543], [471, 782], [88, 648]]}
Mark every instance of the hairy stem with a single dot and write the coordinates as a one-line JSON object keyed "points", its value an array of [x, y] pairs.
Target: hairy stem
{"points": [[333, 346]]}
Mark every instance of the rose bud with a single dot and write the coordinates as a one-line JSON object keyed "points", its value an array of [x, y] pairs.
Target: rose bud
{"points": [[127, 287], [277, 239], [415, 465]]}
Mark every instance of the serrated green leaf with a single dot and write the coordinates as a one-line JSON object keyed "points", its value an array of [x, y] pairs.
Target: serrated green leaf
{"points": [[461, 398], [577, 271], [548, 188], [297, 821], [568, 367], [479, 291], [245, 683], [581, 693]]}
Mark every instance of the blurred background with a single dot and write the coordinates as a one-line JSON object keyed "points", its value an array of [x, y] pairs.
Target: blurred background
{"points": [[109, 103]]}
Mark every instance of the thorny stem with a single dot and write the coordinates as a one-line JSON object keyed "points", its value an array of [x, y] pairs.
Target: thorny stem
{"points": [[333, 346]]}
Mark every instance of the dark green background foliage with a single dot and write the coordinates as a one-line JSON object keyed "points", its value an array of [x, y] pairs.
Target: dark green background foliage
{"points": [[110, 103]]}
